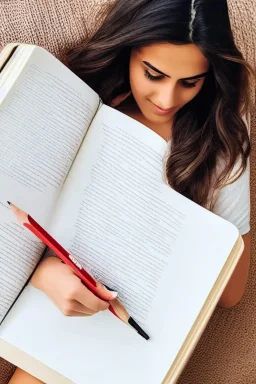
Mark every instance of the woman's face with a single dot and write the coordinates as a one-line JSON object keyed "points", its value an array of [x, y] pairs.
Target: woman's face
{"points": [[164, 77]]}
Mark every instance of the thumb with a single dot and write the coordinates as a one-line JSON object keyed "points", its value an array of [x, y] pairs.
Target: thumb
{"points": [[105, 293]]}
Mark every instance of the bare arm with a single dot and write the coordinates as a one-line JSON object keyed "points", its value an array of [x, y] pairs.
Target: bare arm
{"points": [[22, 377], [236, 286]]}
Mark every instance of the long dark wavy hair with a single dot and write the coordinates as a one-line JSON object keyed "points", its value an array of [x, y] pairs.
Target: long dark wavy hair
{"points": [[207, 129]]}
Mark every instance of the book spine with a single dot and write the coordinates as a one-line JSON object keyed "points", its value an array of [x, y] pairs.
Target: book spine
{"points": [[13, 63], [6, 54]]}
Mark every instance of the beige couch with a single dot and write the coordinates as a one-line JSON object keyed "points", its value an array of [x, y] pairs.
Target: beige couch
{"points": [[226, 353]]}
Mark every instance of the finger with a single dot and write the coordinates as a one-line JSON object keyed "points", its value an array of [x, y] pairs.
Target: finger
{"points": [[76, 314], [119, 99], [89, 300], [78, 307], [105, 294]]}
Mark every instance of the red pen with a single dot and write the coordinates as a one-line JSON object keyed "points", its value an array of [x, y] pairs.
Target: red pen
{"points": [[115, 307]]}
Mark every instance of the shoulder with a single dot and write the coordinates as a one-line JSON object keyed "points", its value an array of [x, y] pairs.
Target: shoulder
{"points": [[119, 99], [233, 200]]}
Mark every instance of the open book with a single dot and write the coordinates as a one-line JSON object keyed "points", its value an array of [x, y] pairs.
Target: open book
{"points": [[94, 178]]}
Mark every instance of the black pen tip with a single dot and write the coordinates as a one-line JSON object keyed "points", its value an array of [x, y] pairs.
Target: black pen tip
{"points": [[9, 202], [136, 326]]}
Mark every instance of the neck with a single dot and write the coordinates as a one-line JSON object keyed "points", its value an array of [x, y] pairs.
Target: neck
{"points": [[130, 108]]}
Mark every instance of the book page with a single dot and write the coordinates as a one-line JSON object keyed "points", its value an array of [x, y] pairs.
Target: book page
{"points": [[121, 219], [44, 116], [160, 251]]}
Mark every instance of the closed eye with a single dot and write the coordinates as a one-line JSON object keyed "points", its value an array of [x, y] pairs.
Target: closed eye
{"points": [[151, 77], [184, 83], [188, 85]]}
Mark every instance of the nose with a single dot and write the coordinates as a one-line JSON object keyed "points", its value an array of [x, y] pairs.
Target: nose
{"points": [[167, 97]]}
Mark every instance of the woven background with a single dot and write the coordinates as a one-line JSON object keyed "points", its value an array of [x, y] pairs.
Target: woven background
{"points": [[226, 353]]}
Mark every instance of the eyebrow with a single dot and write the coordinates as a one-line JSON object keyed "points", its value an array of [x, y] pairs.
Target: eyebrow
{"points": [[185, 78]]}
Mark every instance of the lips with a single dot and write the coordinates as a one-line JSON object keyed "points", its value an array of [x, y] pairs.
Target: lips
{"points": [[160, 111]]}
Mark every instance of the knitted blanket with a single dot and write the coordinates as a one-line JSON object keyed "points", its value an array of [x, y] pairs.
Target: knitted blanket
{"points": [[226, 353]]}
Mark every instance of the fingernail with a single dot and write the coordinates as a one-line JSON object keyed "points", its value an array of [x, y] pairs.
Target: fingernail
{"points": [[113, 293]]}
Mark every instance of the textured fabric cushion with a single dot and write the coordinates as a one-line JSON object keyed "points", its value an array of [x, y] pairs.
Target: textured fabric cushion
{"points": [[6, 371], [226, 352], [53, 24]]}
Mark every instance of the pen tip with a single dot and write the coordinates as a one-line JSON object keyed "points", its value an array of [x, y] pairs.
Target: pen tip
{"points": [[9, 202], [136, 326]]}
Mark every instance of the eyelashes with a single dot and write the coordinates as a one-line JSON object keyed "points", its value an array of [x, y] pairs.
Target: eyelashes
{"points": [[160, 77], [151, 77]]}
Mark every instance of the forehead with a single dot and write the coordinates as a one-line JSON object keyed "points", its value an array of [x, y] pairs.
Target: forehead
{"points": [[175, 60]]}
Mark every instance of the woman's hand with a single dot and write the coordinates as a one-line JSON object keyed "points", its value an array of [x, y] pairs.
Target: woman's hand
{"points": [[65, 289]]}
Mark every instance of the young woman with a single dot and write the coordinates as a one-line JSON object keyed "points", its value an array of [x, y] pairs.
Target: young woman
{"points": [[173, 66]]}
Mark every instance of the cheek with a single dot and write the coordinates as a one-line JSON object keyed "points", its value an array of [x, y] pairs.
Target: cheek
{"points": [[140, 86]]}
